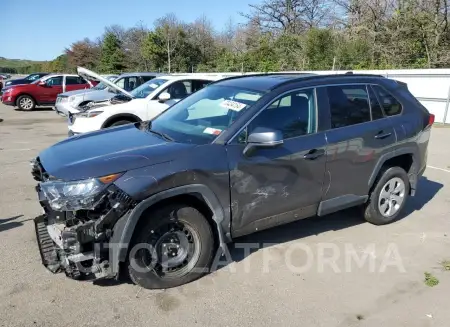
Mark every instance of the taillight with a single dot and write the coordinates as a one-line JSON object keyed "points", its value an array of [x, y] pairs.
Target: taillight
{"points": [[428, 121]]}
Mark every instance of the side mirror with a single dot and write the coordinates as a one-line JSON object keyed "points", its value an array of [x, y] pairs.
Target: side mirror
{"points": [[163, 97], [42, 83], [263, 137]]}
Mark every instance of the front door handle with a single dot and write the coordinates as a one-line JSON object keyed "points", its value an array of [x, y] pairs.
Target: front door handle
{"points": [[382, 135], [314, 154]]}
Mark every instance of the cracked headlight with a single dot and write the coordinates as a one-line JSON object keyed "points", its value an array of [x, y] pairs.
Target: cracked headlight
{"points": [[76, 195]]}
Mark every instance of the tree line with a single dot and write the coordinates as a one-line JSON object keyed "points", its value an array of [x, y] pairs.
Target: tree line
{"points": [[277, 35]]}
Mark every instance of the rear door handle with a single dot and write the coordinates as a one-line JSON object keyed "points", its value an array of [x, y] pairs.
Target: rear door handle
{"points": [[382, 135], [314, 154]]}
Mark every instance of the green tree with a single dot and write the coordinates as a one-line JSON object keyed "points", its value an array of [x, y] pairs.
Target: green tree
{"points": [[112, 58]]}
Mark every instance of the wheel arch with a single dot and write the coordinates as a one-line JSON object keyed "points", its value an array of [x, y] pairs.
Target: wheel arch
{"points": [[126, 225], [388, 158], [121, 116], [22, 94]]}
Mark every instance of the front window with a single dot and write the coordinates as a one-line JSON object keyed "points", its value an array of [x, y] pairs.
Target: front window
{"points": [[202, 116], [145, 89], [99, 86], [54, 81]]}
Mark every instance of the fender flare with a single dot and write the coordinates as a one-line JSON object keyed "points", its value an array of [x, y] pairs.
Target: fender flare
{"points": [[124, 115], [125, 226], [412, 174]]}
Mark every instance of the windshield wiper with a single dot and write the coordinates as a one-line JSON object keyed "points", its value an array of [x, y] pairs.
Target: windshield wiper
{"points": [[163, 135]]}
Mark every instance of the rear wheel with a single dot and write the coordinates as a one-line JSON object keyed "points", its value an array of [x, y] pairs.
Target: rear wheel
{"points": [[26, 103], [173, 247], [388, 197]]}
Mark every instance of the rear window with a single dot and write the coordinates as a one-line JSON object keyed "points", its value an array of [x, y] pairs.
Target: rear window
{"points": [[349, 105], [389, 103]]}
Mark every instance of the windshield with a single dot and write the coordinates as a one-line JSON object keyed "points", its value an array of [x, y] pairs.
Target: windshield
{"points": [[99, 86], [32, 77], [202, 116], [148, 87]]}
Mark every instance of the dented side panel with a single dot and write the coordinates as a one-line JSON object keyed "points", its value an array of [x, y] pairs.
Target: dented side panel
{"points": [[277, 185]]}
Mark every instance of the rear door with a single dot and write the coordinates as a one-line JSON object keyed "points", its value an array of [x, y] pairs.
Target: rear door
{"points": [[358, 136], [75, 83], [47, 93], [277, 185]]}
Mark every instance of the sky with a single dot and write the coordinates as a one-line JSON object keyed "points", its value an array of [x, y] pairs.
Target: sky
{"points": [[42, 29]]}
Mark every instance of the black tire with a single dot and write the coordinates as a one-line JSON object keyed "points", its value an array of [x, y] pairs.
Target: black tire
{"points": [[27, 99], [149, 232], [121, 122], [372, 211]]}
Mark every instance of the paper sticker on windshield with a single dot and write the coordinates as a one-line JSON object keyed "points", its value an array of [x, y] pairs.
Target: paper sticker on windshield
{"points": [[153, 85], [233, 105], [212, 131]]}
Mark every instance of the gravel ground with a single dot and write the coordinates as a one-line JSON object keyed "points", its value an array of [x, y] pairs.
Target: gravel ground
{"points": [[260, 289]]}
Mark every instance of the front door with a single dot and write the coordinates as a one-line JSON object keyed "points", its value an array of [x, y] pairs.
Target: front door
{"points": [[277, 185], [359, 135], [53, 86]]}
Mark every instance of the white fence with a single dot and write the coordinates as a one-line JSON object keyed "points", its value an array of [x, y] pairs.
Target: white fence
{"points": [[430, 86]]}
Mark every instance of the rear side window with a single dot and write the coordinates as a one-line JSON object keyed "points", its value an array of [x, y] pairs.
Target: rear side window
{"points": [[390, 104], [377, 112], [349, 105], [74, 80]]}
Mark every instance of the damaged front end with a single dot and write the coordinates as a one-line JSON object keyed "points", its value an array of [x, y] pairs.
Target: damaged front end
{"points": [[76, 227]]}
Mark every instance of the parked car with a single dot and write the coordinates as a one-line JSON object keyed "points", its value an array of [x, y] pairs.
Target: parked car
{"points": [[241, 155], [43, 91], [5, 76], [143, 103], [1, 82], [71, 101], [26, 80]]}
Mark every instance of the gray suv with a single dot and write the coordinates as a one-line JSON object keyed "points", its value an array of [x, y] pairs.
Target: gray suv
{"points": [[156, 199], [70, 101]]}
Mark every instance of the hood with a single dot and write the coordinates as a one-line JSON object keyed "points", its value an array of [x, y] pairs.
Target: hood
{"points": [[108, 151], [17, 82], [77, 92], [86, 73]]}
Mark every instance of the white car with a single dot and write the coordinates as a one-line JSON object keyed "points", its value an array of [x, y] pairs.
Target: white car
{"points": [[143, 103]]}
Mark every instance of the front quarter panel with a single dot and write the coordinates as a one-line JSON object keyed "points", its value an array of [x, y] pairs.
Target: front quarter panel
{"points": [[205, 164]]}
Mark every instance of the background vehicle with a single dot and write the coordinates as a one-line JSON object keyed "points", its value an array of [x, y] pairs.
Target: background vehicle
{"points": [[2, 79], [70, 101], [143, 103], [26, 80], [43, 91], [238, 156]]}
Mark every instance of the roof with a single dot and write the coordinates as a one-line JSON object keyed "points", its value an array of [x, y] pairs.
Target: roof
{"points": [[195, 77], [140, 74], [261, 82], [265, 82]]}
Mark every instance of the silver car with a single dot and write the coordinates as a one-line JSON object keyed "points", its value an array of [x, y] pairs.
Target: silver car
{"points": [[70, 101]]}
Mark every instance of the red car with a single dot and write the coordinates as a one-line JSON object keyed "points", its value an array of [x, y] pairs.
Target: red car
{"points": [[43, 91]]}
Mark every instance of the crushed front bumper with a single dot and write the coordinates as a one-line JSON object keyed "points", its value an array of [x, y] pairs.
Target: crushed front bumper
{"points": [[47, 247]]}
